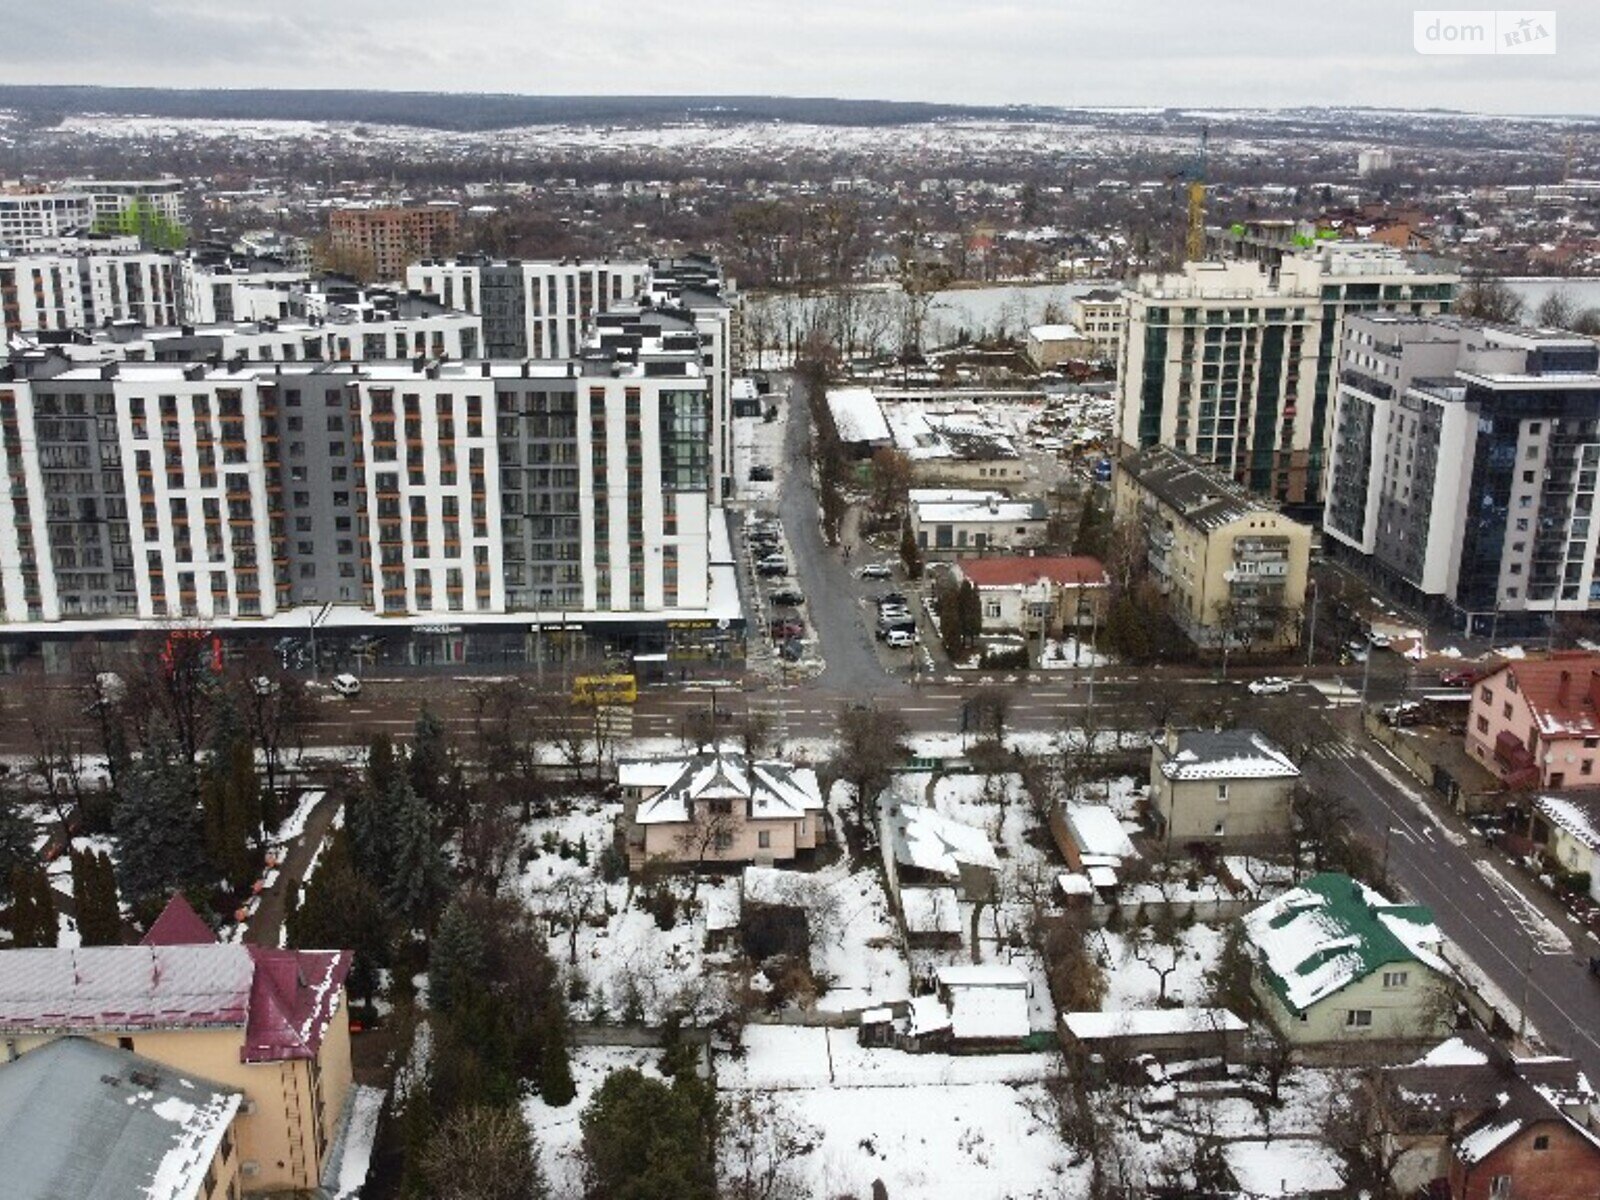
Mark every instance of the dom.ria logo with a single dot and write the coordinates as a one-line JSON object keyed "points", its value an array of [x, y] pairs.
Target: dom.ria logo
{"points": [[1484, 31]]}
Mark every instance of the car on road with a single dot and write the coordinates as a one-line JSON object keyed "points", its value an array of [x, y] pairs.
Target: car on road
{"points": [[346, 684], [1462, 677], [788, 597], [761, 474], [900, 639], [773, 564], [1355, 652], [1270, 686], [1380, 641], [876, 571]]}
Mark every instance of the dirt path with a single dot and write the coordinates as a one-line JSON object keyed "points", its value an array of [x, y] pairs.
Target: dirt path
{"points": [[268, 919]]}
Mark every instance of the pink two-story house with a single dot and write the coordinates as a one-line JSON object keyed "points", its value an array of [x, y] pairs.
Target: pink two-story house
{"points": [[1536, 722]]}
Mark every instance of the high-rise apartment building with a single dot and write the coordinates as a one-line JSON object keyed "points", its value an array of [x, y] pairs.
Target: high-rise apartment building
{"points": [[382, 239], [27, 218], [87, 289], [111, 198], [1464, 466], [1233, 363]]}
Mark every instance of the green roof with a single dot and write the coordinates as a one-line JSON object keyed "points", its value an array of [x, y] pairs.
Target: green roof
{"points": [[1332, 931]]}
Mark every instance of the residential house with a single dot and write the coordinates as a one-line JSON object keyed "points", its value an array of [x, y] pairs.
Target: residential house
{"points": [[1049, 345], [715, 807], [270, 1024], [946, 522], [1232, 568], [1228, 787], [1336, 963], [1472, 1121], [83, 1120], [924, 847], [1568, 830], [1052, 594], [1534, 722]]}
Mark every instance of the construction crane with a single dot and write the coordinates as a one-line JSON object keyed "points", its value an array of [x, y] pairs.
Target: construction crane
{"points": [[1195, 245]]}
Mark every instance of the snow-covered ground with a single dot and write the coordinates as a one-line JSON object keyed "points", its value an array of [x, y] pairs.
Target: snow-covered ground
{"points": [[1133, 983], [1070, 653], [358, 1138], [556, 1132]]}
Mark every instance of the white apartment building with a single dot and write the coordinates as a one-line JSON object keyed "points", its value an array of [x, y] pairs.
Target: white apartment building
{"points": [[529, 309], [235, 291], [1099, 316], [1234, 364], [110, 198], [451, 491], [86, 290], [27, 218]]}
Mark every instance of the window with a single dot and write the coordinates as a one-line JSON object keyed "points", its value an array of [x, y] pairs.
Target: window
{"points": [[1500, 1188], [1222, 793], [1483, 724], [1395, 979], [1358, 1018], [764, 839], [1542, 1142], [125, 1043]]}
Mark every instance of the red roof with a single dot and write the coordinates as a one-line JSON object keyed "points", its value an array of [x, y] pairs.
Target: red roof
{"points": [[1020, 569], [178, 925], [292, 999], [1562, 692]]}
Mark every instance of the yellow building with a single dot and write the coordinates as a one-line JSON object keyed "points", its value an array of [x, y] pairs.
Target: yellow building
{"points": [[270, 1024], [1233, 570]]}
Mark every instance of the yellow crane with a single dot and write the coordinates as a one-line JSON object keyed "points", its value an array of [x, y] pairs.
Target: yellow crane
{"points": [[1195, 245]]}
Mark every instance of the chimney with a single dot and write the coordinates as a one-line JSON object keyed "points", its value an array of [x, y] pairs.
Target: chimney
{"points": [[1172, 739]]}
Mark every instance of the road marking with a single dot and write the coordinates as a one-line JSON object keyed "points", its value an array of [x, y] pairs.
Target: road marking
{"points": [[1546, 934]]}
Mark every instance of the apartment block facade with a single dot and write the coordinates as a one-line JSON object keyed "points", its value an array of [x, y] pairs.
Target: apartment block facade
{"points": [[87, 289], [383, 239], [1233, 362], [26, 218], [1464, 465], [110, 198]]}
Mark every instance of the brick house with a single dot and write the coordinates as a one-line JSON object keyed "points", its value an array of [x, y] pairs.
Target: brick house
{"points": [[1536, 722]]}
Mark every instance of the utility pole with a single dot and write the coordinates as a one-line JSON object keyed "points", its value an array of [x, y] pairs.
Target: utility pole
{"points": [[1311, 639], [1522, 1009], [1366, 672]]}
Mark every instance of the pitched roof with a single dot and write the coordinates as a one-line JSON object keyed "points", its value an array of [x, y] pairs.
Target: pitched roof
{"points": [[1578, 815], [1315, 940], [283, 1000], [1204, 497], [84, 1120], [1226, 754], [776, 790], [1014, 570], [178, 925], [1561, 691]]}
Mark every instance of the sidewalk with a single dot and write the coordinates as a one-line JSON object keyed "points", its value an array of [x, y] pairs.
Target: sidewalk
{"points": [[266, 923]]}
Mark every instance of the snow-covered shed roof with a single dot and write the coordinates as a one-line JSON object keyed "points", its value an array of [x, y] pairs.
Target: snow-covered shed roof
{"points": [[775, 790], [971, 507], [1315, 940], [986, 1001], [1224, 754], [1097, 830], [1285, 1168], [1054, 333], [857, 417], [1150, 1022], [931, 841], [84, 1120]]}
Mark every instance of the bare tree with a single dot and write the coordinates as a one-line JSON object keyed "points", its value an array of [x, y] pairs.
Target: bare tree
{"points": [[567, 903], [761, 1142], [489, 841], [1156, 941], [871, 744], [712, 827]]}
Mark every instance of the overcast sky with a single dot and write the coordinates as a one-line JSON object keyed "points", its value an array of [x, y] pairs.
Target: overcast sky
{"points": [[1267, 53]]}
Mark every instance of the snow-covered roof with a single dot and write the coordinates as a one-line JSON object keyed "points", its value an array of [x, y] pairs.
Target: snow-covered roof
{"points": [[775, 790], [933, 506], [928, 1015], [986, 1002], [1580, 818], [933, 842], [1317, 939], [1074, 884], [1455, 1052], [722, 909], [1483, 1141], [1150, 1022], [773, 885], [1225, 754], [930, 910], [1284, 1168], [84, 1120], [856, 415], [1096, 829], [1054, 333]]}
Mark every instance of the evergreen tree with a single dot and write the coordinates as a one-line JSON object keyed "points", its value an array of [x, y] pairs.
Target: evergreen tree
{"points": [[556, 1087], [44, 907], [416, 879], [643, 1140], [33, 909], [158, 830], [456, 958], [16, 844], [369, 815], [343, 908], [910, 552], [1094, 529], [231, 804], [970, 606], [94, 895], [429, 761]]}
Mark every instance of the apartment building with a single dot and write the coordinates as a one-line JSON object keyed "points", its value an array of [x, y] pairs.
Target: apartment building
{"points": [[1099, 316], [1233, 362], [530, 309], [1233, 569], [1463, 466], [87, 289], [110, 198], [27, 218], [403, 494], [222, 288], [383, 238]]}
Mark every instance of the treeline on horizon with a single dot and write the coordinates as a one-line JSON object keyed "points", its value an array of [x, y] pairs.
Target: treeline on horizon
{"points": [[442, 110]]}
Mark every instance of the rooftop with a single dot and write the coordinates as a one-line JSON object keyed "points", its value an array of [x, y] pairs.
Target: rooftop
{"points": [[1225, 754], [1561, 691], [1204, 498], [1021, 570], [775, 790]]}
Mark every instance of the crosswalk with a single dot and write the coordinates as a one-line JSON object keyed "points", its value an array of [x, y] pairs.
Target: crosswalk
{"points": [[1335, 748]]}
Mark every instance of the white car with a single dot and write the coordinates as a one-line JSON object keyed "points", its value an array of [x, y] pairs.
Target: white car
{"points": [[1380, 641], [876, 571], [1270, 686], [900, 639], [346, 685]]}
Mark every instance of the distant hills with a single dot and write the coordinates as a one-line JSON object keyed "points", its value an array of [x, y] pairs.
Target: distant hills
{"points": [[445, 110]]}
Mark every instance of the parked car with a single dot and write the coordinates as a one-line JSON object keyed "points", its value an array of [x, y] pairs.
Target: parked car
{"points": [[902, 625], [1355, 652], [786, 627], [1270, 686], [761, 474], [1406, 712], [1380, 641], [792, 650], [773, 564], [900, 639], [876, 571], [1463, 677], [788, 597], [346, 685], [892, 598]]}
